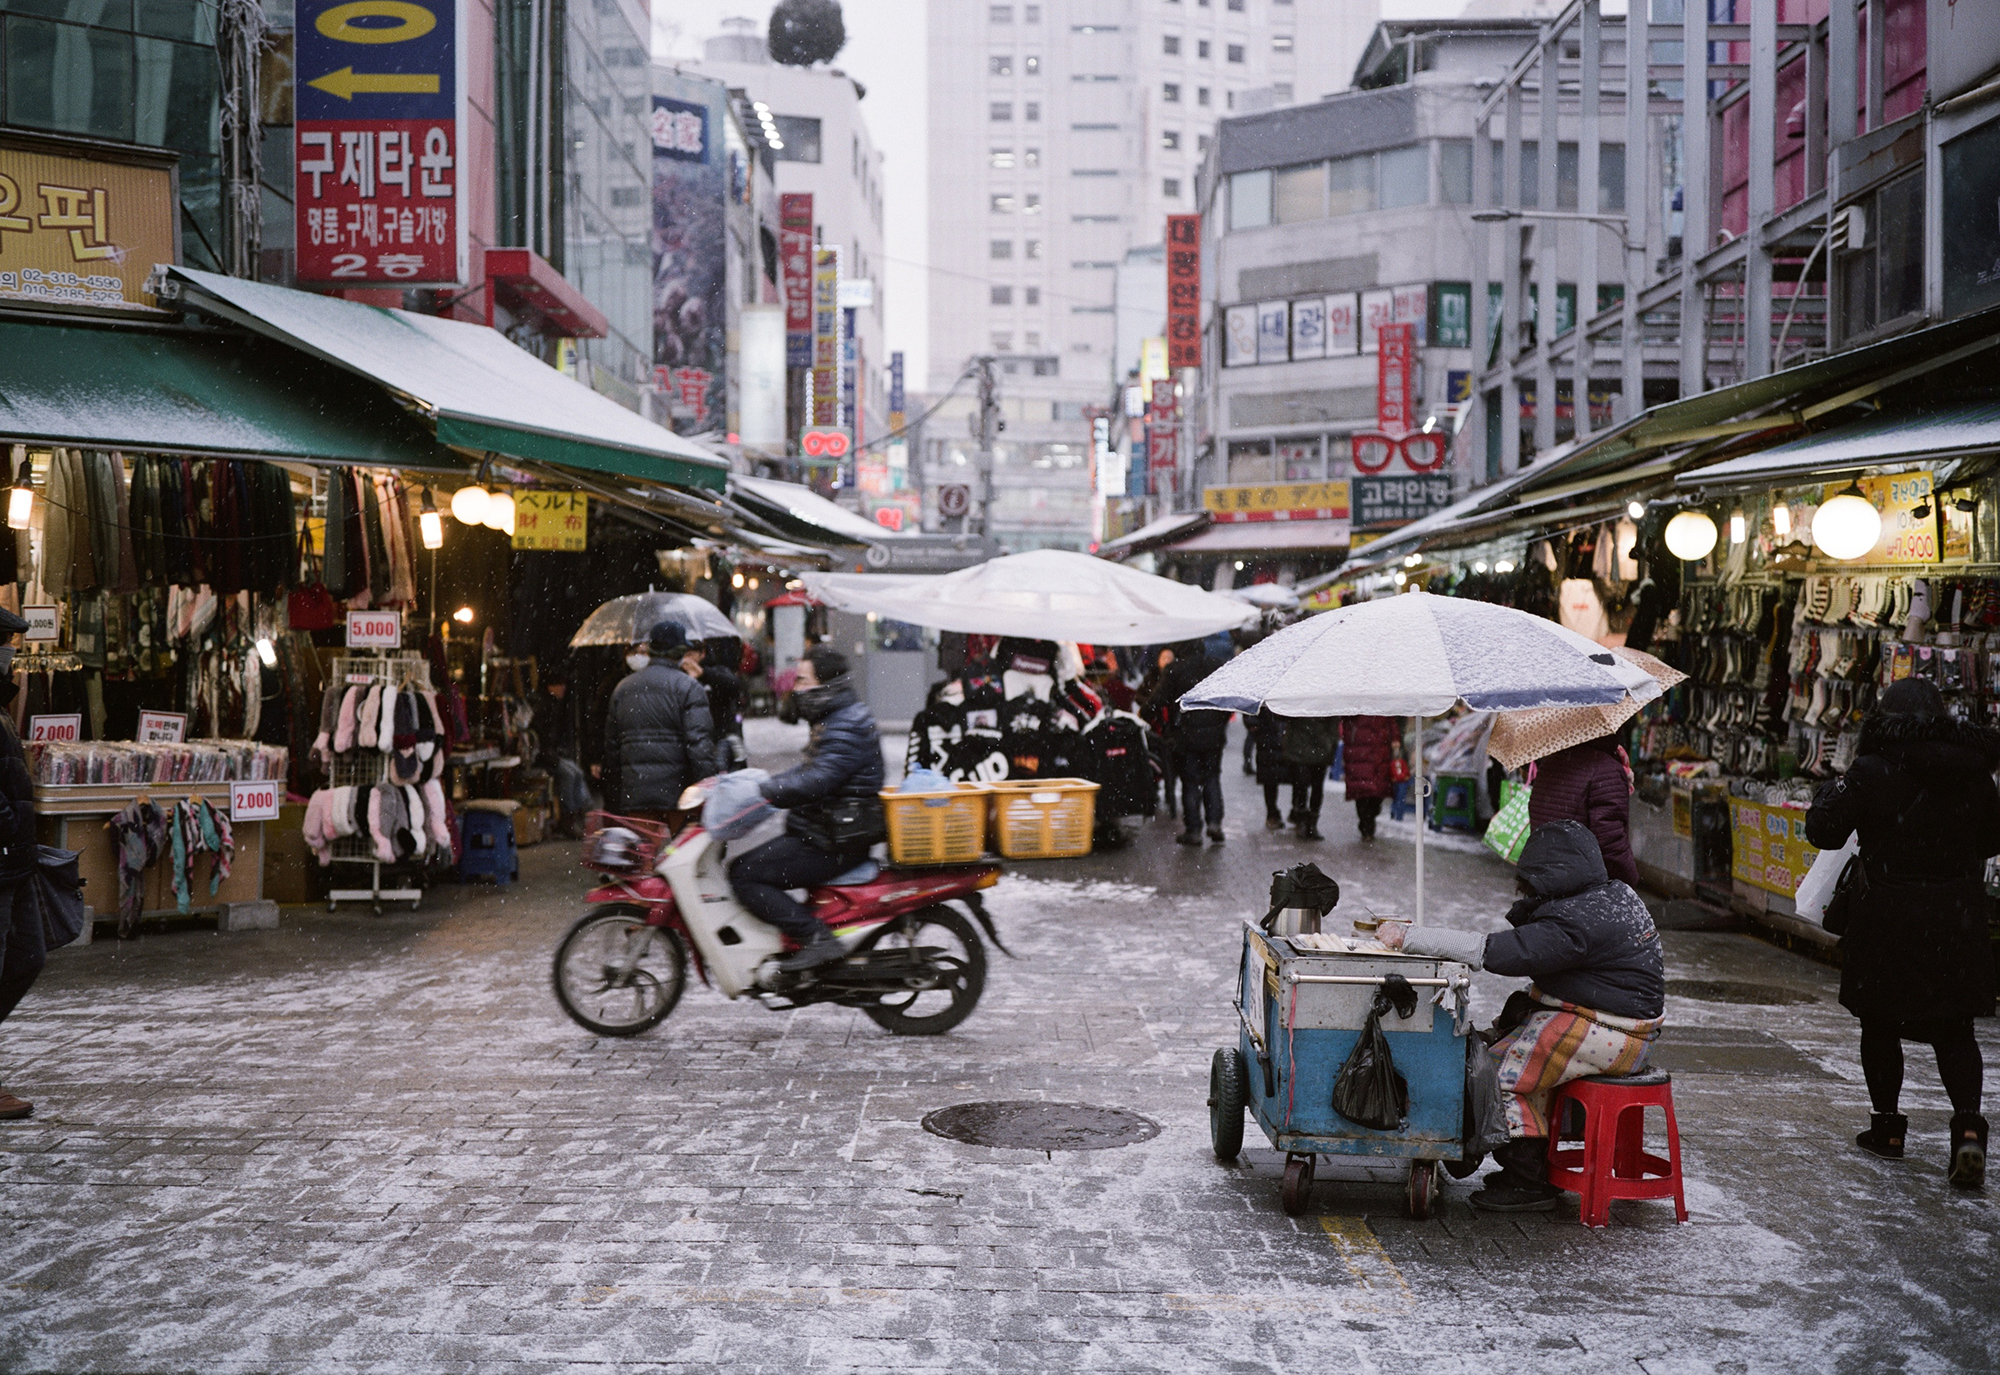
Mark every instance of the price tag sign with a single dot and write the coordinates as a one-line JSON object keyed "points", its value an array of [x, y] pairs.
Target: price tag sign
{"points": [[374, 630], [255, 801], [162, 727], [44, 624], [65, 729]]}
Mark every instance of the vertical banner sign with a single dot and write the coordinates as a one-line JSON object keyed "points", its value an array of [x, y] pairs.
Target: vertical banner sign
{"points": [[795, 245], [826, 337], [895, 391], [1183, 291], [690, 252], [1163, 432], [1395, 365], [379, 88], [850, 369]]}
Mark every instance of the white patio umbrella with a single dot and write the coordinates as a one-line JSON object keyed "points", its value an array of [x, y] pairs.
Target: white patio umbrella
{"points": [[1046, 594], [1420, 655], [1269, 595]]}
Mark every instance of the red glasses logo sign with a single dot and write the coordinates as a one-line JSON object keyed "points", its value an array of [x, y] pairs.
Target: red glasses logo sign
{"points": [[824, 443], [1423, 452]]}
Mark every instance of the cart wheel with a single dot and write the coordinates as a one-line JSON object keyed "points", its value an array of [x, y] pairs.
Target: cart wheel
{"points": [[1298, 1184], [1420, 1194], [1228, 1096]]}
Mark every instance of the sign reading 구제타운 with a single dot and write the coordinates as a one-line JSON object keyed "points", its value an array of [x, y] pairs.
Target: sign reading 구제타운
{"points": [[380, 88], [80, 230], [555, 522]]}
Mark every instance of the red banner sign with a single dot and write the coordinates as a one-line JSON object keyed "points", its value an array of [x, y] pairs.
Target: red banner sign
{"points": [[1183, 291], [1395, 379], [795, 250]]}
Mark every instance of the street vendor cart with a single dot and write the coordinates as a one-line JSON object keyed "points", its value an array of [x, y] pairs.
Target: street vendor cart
{"points": [[1303, 1002]]}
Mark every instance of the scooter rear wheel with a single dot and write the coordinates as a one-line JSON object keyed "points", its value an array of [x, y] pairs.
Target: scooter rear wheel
{"points": [[951, 943], [617, 976]]}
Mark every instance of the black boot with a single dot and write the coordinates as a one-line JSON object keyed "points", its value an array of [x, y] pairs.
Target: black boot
{"points": [[824, 948], [1884, 1136], [1968, 1150], [1522, 1185]]}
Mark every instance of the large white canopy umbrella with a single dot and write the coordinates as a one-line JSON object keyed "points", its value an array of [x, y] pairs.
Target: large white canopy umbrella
{"points": [[1046, 594], [1419, 655]]}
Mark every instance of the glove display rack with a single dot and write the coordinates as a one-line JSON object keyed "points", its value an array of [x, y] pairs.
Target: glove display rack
{"points": [[363, 769]]}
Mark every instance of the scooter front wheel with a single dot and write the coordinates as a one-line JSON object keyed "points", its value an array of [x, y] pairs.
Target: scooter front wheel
{"points": [[617, 976]]}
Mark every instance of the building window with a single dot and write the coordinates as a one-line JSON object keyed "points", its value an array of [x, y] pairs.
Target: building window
{"points": [[1031, 66], [1882, 280], [1000, 111], [1031, 157], [1170, 187], [1281, 42], [1201, 143], [1201, 95], [800, 135], [1611, 176], [1236, 5], [1298, 193], [1455, 171], [1003, 342], [1201, 48], [1000, 64], [1033, 339], [1000, 296], [1406, 176], [1235, 52], [1000, 248], [1002, 158], [1171, 45], [1171, 93], [1250, 200], [1031, 249], [1032, 111], [1032, 204], [1350, 185], [1031, 296], [1001, 204], [1000, 14], [1170, 139], [1031, 14]]}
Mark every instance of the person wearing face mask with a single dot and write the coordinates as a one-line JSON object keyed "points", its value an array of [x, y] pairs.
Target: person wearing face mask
{"points": [[658, 736], [834, 804], [22, 946]]}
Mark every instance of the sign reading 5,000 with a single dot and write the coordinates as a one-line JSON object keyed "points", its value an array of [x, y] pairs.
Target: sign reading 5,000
{"points": [[380, 90]]}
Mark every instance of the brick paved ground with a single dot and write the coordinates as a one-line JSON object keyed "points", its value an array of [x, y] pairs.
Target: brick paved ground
{"points": [[375, 1144]]}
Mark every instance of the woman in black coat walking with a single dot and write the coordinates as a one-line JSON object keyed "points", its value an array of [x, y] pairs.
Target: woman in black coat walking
{"points": [[1917, 960]]}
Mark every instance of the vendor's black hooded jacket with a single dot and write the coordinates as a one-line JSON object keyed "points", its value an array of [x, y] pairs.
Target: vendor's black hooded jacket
{"points": [[1584, 937]]}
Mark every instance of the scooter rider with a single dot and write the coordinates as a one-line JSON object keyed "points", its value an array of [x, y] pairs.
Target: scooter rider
{"points": [[835, 810]]}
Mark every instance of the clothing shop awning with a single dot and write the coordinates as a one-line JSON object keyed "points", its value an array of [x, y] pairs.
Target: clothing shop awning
{"points": [[483, 393], [1153, 534], [799, 511], [1941, 434], [167, 389], [1250, 536]]}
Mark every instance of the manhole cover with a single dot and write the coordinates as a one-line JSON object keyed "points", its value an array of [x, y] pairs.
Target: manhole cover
{"points": [[1034, 1126], [1730, 991]]}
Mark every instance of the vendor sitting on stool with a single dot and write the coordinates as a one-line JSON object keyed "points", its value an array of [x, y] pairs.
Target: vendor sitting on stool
{"points": [[1594, 1007]]}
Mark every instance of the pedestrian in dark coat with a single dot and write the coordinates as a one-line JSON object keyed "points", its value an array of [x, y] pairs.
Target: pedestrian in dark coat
{"points": [[1197, 739], [1273, 771], [1917, 962], [1369, 760], [1589, 783], [23, 946], [658, 735]]}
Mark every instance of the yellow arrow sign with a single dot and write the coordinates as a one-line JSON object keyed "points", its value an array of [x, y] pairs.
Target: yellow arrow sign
{"points": [[347, 83]]}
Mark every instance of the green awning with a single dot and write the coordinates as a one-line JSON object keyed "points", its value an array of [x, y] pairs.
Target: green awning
{"points": [[105, 385], [482, 391]]}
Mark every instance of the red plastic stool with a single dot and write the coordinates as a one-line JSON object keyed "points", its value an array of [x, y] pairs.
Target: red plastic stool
{"points": [[1613, 1162]]}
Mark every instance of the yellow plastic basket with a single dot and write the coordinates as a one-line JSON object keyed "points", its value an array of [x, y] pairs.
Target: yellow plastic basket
{"points": [[937, 827], [1044, 818]]}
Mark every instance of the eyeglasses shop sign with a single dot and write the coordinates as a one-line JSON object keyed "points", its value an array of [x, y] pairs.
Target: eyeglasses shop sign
{"points": [[1398, 500]]}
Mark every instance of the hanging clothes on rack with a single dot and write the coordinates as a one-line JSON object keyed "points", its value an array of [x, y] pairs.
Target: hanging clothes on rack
{"points": [[139, 833]]}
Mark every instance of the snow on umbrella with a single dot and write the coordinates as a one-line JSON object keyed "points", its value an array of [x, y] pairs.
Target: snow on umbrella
{"points": [[628, 620], [1269, 595], [1519, 736]]}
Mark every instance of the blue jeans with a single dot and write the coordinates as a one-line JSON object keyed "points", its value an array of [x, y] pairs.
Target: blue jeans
{"points": [[1201, 788]]}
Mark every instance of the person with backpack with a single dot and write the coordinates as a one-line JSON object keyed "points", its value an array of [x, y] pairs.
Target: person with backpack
{"points": [[1197, 739], [1307, 746]]}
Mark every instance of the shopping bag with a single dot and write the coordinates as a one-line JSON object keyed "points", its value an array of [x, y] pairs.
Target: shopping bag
{"points": [[736, 805], [1507, 832], [1816, 888], [1369, 1090], [56, 889]]}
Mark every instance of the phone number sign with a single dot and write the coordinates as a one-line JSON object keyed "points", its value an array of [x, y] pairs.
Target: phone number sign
{"points": [[380, 93]]}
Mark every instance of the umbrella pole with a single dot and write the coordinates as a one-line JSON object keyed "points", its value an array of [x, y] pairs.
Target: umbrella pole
{"points": [[1417, 774]]}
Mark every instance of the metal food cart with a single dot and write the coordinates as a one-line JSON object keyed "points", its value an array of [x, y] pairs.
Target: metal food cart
{"points": [[1302, 1002]]}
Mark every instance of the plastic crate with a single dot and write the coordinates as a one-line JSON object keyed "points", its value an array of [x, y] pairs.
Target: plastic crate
{"points": [[1044, 818], [937, 827]]}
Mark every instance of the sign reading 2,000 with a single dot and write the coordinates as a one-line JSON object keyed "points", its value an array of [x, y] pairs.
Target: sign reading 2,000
{"points": [[380, 95]]}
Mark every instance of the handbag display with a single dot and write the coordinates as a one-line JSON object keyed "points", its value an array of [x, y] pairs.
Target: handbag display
{"points": [[310, 606]]}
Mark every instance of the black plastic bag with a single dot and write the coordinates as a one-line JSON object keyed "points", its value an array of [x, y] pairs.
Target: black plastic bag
{"points": [[1302, 885], [1369, 1091], [57, 891]]}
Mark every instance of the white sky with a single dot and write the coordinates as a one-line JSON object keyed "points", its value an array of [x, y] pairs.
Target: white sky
{"points": [[886, 52]]}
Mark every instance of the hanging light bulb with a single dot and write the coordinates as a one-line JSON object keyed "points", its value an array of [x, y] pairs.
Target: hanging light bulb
{"points": [[1504, 566], [1690, 535], [1737, 529], [430, 524], [1781, 519], [736, 581], [1401, 577], [1479, 567], [753, 584], [268, 652], [469, 505], [499, 512], [1847, 526], [21, 499], [1636, 509], [463, 615]]}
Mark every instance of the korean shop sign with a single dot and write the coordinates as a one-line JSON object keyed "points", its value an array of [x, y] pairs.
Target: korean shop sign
{"points": [[555, 522], [795, 244], [1183, 291], [380, 92], [82, 231], [826, 337], [1906, 537]]}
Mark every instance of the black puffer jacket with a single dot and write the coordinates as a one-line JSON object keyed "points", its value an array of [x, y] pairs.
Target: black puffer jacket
{"points": [[843, 763], [658, 738], [1203, 731], [1921, 794], [17, 802], [1584, 938]]}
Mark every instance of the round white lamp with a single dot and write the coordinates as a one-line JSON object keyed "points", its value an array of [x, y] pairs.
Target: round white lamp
{"points": [[468, 504], [500, 512], [1690, 535], [1847, 526]]}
